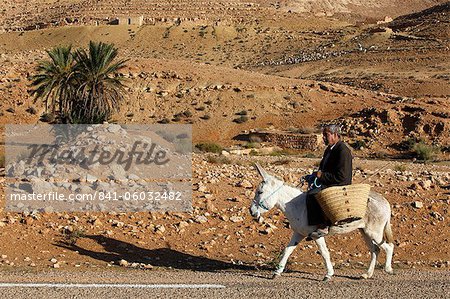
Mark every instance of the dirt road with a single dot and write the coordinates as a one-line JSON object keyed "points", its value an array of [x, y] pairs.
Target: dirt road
{"points": [[189, 284]]}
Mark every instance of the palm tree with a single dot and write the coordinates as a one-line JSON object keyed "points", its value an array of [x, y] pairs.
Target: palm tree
{"points": [[80, 86], [100, 90], [55, 80]]}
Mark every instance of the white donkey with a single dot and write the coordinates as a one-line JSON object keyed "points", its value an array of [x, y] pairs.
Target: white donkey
{"points": [[375, 226]]}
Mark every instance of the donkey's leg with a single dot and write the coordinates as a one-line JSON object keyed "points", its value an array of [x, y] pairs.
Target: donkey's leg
{"points": [[295, 239], [374, 251], [389, 249], [326, 258]]}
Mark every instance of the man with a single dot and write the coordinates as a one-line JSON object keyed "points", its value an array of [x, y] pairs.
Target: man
{"points": [[335, 170]]}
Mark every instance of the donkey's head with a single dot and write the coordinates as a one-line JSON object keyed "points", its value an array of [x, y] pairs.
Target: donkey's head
{"points": [[264, 195]]}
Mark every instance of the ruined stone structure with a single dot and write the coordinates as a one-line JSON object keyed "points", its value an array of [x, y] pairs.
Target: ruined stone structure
{"points": [[290, 140], [25, 15], [138, 21]]}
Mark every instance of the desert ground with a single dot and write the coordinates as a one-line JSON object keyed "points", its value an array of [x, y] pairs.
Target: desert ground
{"points": [[379, 68]]}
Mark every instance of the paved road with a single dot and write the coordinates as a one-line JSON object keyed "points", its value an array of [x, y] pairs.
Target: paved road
{"points": [[405, 284]]}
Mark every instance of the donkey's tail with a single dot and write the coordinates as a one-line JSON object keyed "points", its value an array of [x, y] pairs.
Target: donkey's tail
{"points": [[388, 236]]}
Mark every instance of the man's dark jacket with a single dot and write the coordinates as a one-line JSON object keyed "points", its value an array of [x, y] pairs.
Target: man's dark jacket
{"points": [[336, 166]]}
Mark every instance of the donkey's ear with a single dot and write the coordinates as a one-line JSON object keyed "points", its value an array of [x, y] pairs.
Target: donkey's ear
{"points": [[261, 171]]}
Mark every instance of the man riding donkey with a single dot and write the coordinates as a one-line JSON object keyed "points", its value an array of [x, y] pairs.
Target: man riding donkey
{"points": [[335, 170], [347, 207]]}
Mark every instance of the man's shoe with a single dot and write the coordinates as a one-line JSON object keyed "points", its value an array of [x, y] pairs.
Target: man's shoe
{"points": [[319, 233]]}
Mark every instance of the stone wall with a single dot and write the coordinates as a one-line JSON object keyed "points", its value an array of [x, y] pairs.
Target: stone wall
{"points": [[138, 21], [291, 140]]}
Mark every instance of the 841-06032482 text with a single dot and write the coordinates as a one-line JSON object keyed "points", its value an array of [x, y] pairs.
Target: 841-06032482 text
{"points": [[143, 195]]}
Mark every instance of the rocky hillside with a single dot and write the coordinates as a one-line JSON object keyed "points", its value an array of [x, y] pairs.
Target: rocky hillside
{"points": [[370, 9], [432, 22], [28, 15]]}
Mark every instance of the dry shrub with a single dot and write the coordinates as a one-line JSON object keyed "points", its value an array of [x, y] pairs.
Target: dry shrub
{"points": [[425, 152], [209, 147]]}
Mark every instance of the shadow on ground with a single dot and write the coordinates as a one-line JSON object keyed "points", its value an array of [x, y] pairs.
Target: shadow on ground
{"points": [[115, 250]]}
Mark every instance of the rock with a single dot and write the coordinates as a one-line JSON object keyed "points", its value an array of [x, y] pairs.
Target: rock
{"points": [[117, 223], [417, 204], [233, 199], [113, 128], [269, 228], [387, 19], [402, 178], [266, 231], [123, 263], [118, 173], [48, 209], [236, 219], [210, 206], [133, 177], [410, 193], [134, 265], [225, 153], [402, 244], [437, 216], [244, 184], [201, 188], [426, 185], [54, 261], [42, 187], [90, 178], [414, 186], [323, 87], [162, 93], [160, 229], [440, 182], [97, 222], [182, 224], [200, 219], [241, 152]]}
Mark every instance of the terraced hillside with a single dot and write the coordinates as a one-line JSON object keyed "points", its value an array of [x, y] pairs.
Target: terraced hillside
{"points": [[19, 15]]}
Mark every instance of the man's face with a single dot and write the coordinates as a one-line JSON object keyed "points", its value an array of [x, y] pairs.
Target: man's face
{"points": [[330, 138]]}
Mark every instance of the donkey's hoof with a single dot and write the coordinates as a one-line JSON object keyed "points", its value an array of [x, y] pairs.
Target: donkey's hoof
{"points": [[326, 278], [364, 276], [391, 272]]}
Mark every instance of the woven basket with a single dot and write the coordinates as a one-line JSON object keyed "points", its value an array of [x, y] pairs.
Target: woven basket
{"points": [[344, 203]]}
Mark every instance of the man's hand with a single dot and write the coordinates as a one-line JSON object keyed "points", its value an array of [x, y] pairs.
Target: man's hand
{"points": [[319, 174], [310, 178]]}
